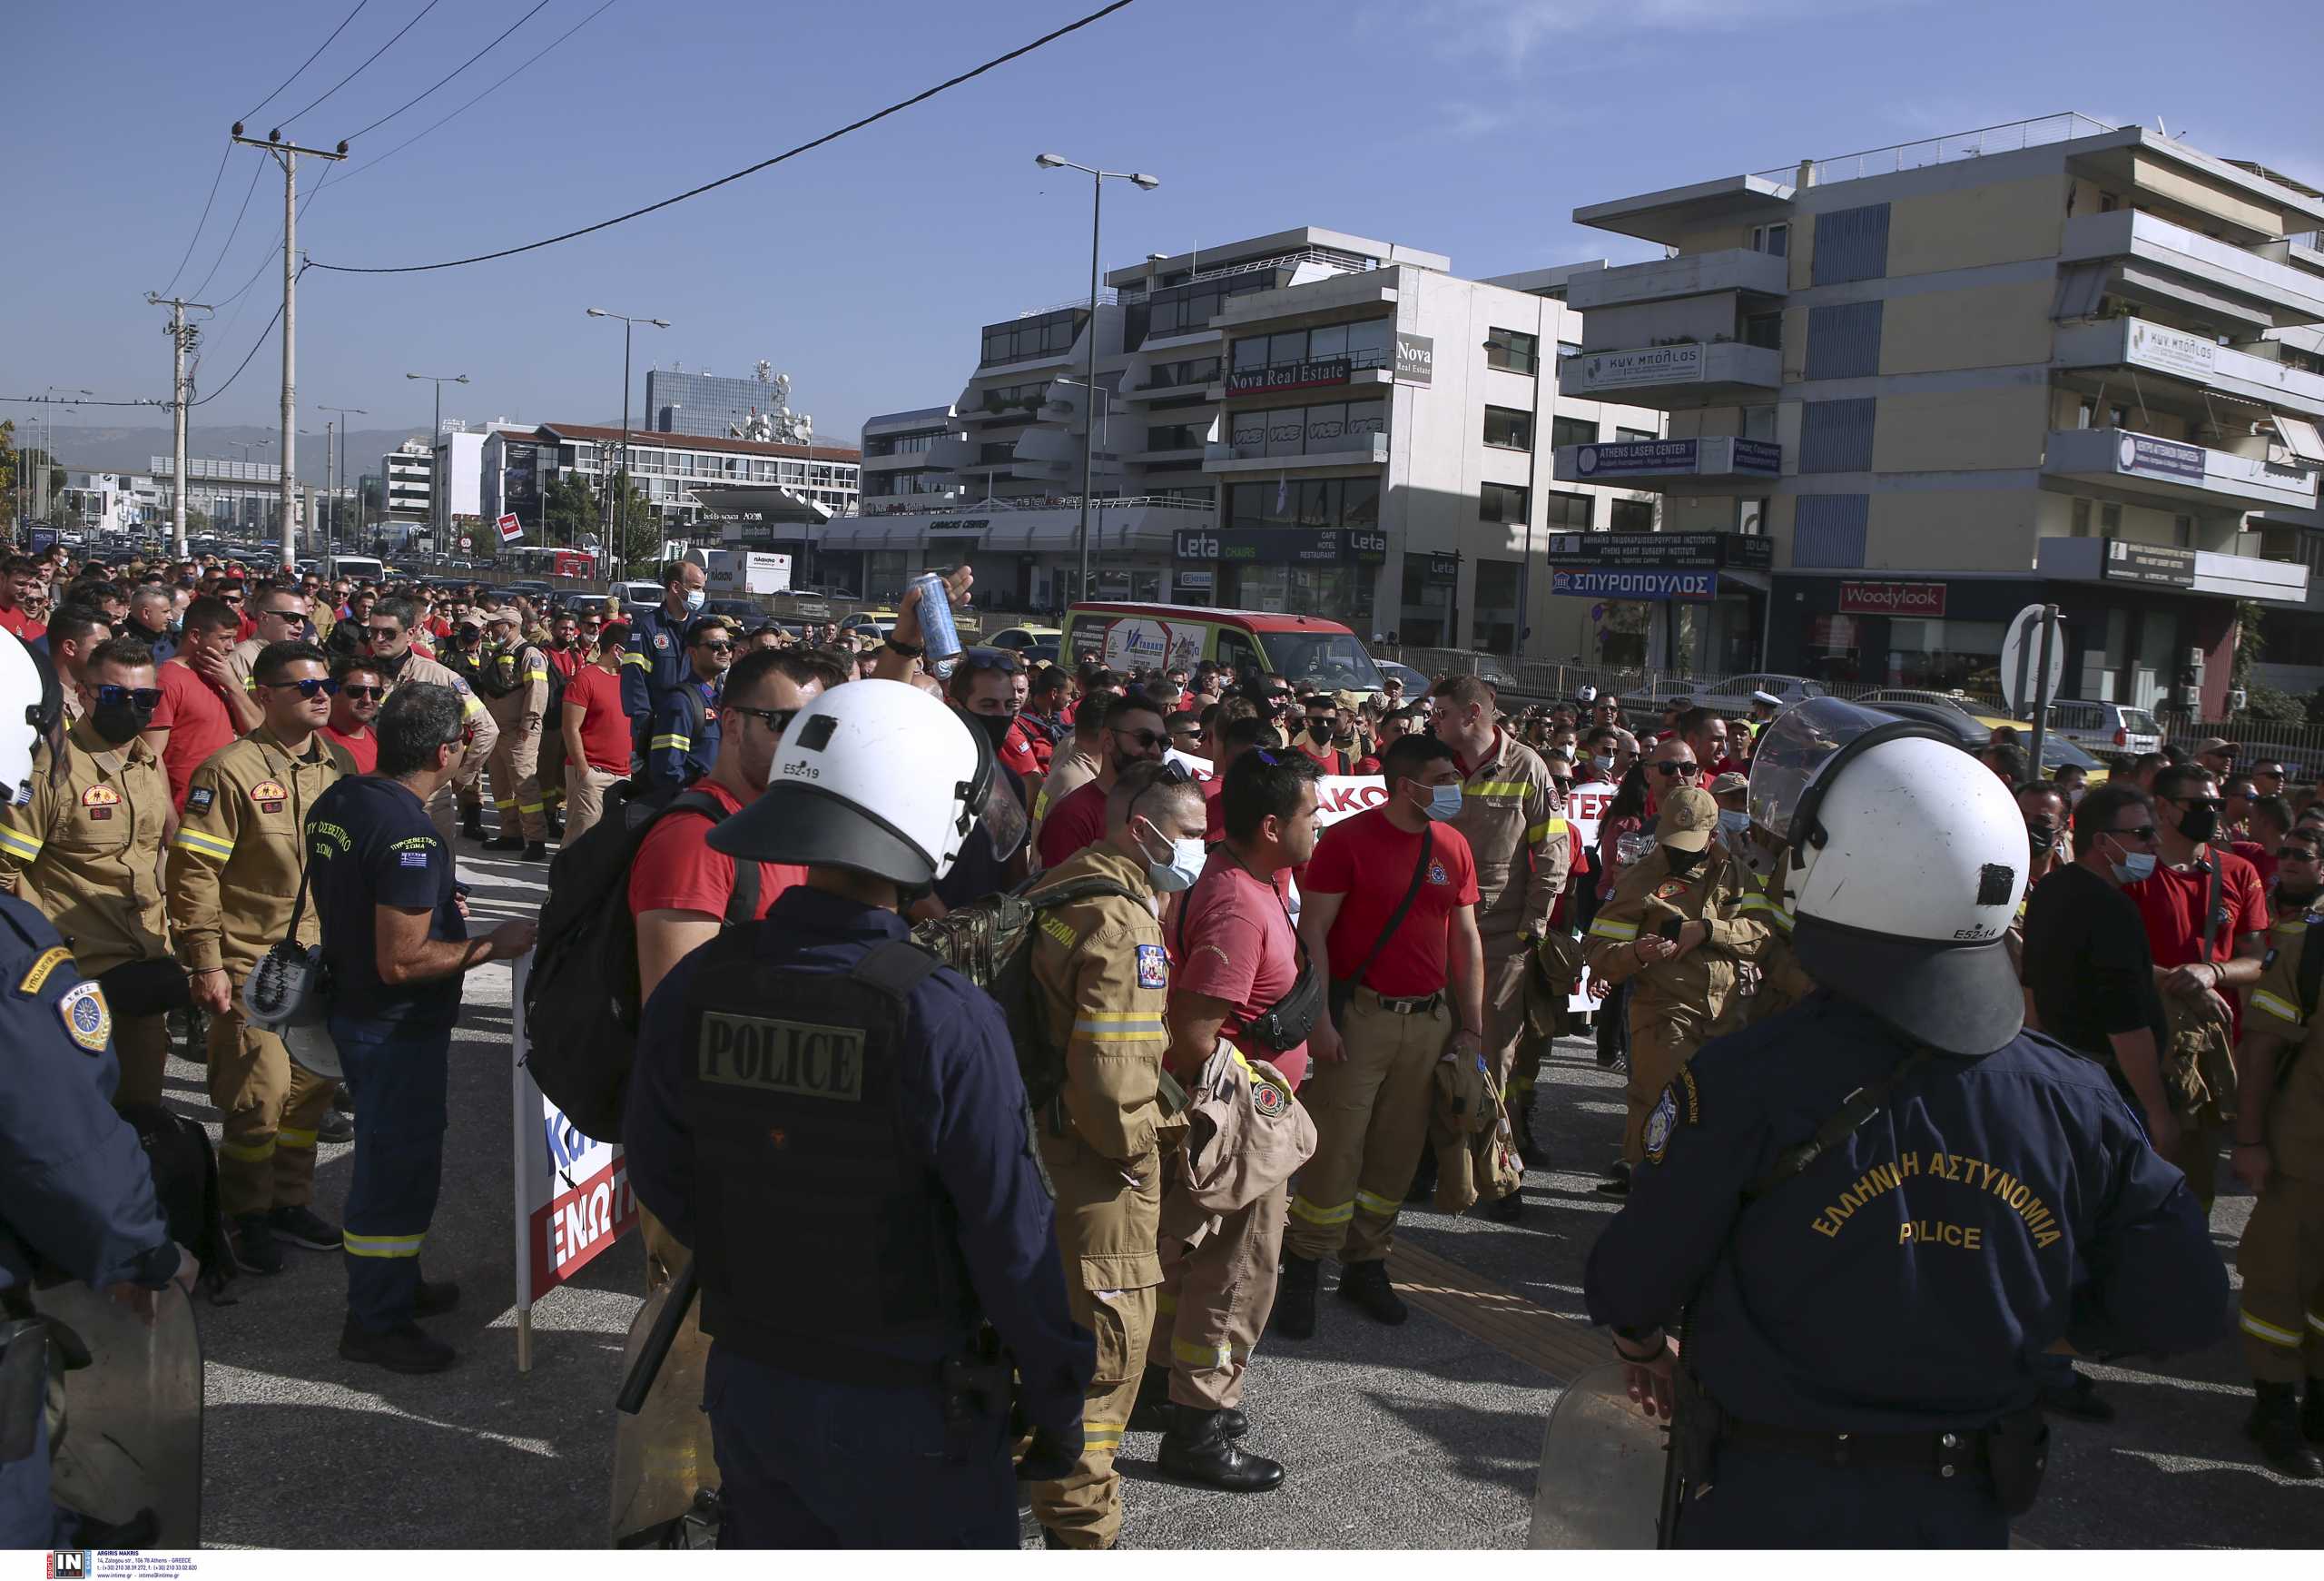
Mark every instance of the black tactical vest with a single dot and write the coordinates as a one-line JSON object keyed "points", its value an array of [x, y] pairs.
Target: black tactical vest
{"points": [[821, 1223]]}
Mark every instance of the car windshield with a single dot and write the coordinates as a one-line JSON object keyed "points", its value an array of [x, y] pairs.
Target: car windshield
{"points": [[1332, 659], [2139, 722]]}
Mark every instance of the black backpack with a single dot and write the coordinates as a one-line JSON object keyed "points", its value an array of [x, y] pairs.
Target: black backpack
{"points": [[582, 999], [185, 1185]]}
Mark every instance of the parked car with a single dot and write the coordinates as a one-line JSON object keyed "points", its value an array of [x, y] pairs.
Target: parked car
{"points": [[1732, 694], [871, 623], [1018, 638], [749, 614], [2114, 731], [1973, 732]]}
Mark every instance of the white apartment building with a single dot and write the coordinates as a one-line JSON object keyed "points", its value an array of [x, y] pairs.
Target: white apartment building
{"points": [[901, 471], [408, 473], [518, 464], [2057, 360], [1306, 421]]}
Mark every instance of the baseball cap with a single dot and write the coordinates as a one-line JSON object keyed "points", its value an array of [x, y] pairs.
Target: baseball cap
{"points": [[2216, 744], [1730, 782], [1686, 819], [468, 623]]}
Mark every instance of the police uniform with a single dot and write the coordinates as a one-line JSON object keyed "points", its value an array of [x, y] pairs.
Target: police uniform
{"points": [[1102, 979], [2281, 1255], [442, 806], [1675, 1006], [1867, 1330], [684, 739], [518, 697], [652, 660], [1515, 820], [88, 851], [838, 1129], [77, 1193], [234, 872]]}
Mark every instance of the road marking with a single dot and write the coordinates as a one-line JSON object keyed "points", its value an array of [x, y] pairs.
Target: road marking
{"points": [[1500, 1318]]}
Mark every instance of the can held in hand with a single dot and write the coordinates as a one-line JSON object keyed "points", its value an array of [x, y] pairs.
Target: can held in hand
{"points": [[941, 637]]}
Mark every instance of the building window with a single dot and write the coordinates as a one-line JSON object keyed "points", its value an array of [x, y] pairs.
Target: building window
{"points": [[1503, 502], [2081, 518], [1492, 606], [1633, 515], [1043, 335], [1569, 348], [1512, 350], [1508, 428], [2182, 532], [1367, 343], [1763, 329], [1570, 511], [1623, 436], [1774, 239], [2109, 521], [1573, 430]]}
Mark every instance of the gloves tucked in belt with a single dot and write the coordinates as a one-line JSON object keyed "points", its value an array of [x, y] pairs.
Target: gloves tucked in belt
{"points": [[1052, 1455]]}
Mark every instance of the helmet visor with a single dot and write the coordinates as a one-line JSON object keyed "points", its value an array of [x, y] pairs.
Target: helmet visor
{"points": [[1004, 820], [1797, 748]]}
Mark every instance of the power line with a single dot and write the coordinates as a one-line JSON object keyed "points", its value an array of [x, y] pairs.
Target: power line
{"points": [[454, 72], [270, 257], [197, 224], [303, 64], [68, 405], [832, 136], [214, 263], [264, 336], [375, 54], [445, 120]]}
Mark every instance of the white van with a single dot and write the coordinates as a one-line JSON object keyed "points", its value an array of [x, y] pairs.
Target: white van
{"points": [[357, 569]]}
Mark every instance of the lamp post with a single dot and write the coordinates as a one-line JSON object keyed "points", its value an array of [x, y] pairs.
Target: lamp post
{"points": [[1097, 179], [621, 500], [436, 530], [344, 413], [1525, 565]]}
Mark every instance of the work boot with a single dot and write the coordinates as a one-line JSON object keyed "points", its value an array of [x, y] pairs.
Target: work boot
{"points": [[2274, 1426], [536, 850], [1507, 1209], [2311, 1411], [2079, 1399], [1521, 1123], [302, 1226], [1151, 1414], [1365, 1284], [434, 1297], [472, 823], [335, 1127], [1197, 1449], [1423, 1186], [1294, 1298], [254, 1246], [406, 1348], [1617, 1182], [505, 843]]}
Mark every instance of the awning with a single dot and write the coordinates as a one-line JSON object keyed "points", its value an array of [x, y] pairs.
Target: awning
{"points": [[2300, 437]]}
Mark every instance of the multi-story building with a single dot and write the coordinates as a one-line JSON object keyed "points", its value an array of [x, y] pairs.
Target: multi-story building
{"points": [[1305, 421], [2047, 361], [409, 473], [519, 465], [901, 471], [678, 402]]}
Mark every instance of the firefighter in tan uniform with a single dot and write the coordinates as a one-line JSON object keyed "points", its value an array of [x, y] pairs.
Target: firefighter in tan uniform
{"points": [[88, 851], [234, 871], [390, 644], [517, 698], [2280, 1155], [1677, 932], [1513, 818], [1776, 981], [1102, 978]]}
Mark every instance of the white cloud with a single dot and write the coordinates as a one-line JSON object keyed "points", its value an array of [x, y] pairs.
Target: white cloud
{"points": [[1510, 29]]}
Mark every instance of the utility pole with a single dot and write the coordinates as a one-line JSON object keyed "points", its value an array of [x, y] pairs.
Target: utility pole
{"points": [[182, 337], [287, 154]]}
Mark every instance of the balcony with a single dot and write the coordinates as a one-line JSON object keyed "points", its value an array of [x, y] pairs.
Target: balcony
{"points": [[1660, 463], [1688, 375], [2121, 464], [2148, 259], [1346, 451], [2159, 567], [2195, 359], [952, 452], [1736, 268]]}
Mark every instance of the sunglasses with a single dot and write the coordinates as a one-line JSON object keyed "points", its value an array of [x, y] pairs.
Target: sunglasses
{"points": [[312, 687], [2294, 853], [1679, 770], [383, 633], [1146, 739], [360, 694], [775, 719], [1562, 782], [2140, 832], [141, 696], [719, 647], [280, 615], [230, 598], [997, 659]]}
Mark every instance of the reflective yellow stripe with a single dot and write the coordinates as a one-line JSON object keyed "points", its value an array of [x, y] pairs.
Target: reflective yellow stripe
{"points": [[1607, 928], [681, 743], [202, 844], [287, 1137], [1120, 1029], [247, 1152], [1754, 900], [507, 807], [383, 1245], [1338, 1213], [536, 674], [1544, 830], [2290, 929], [1202, 1356], [20, 845], [2316, 1322], [470, 707], [1377, 1206], [1041, 804], [1100, 1436], [529, 806], [2274, 1006], [1499, 787], [2268, 1334], [639, 659]]}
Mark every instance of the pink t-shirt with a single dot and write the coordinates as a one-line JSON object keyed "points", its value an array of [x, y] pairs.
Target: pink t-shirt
{"points": [[1234, 940]]}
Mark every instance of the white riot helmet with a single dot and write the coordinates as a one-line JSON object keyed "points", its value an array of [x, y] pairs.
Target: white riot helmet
{"points": [[878, 777], [29, 707], [1908, 858]]}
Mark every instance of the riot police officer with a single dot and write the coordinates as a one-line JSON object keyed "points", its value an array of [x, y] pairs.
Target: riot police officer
{"points": [[835, 1123], [1883, 1206]]}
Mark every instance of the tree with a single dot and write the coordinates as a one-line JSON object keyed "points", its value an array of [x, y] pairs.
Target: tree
{"points": [[640, 538], [568, 510]]}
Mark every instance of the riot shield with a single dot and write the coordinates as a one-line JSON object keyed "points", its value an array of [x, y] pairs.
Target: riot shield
{"points": [[1601, 1469], [130, 1439], [661, 1454]]}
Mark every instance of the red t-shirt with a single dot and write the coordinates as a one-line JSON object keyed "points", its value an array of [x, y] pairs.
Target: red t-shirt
{"points": [[677, 870], [1370, 860], [1036, 741], [1079, 820], [1018, 752], [22, 624], [1234, 940], [604, 729], [1213, 807], [565, 661], [191, 712], [364, 748], [2171, 906], [2261, 857]]}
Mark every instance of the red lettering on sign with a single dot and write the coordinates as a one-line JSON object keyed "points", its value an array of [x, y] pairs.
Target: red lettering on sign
{"points": [[1917, 600], [577, 1225]]}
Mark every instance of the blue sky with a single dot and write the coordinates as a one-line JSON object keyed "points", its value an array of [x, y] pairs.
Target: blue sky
{"points": [[1469, 127]]}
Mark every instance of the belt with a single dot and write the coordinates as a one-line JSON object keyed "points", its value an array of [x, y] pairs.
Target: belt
{"points": [[1418, 1004], [1945, 1454]]}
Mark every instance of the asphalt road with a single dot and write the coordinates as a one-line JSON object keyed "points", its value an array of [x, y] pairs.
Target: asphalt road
{"points": [[1425, 1435]]}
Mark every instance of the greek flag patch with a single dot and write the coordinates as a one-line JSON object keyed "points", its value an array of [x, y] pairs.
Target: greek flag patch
{"points": [[414, 859]]}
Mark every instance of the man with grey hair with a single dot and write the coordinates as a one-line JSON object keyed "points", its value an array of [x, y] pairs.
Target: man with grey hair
{"points": [[152, 609]]}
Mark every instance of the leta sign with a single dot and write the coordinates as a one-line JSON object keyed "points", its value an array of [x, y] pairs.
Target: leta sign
{"points": [[1914, 600]]}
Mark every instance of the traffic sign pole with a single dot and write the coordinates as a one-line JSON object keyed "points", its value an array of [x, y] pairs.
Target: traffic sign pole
{"points": [[2042, 686]]}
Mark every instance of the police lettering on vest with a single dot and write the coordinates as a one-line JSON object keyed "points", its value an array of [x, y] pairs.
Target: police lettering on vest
{"points": [[781, 1056]]}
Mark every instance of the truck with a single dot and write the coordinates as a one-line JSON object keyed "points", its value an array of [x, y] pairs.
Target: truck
{"points": [[746, 571]]}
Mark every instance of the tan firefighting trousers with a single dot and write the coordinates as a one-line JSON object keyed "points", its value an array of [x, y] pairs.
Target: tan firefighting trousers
{"points": [[1371, 1111]]}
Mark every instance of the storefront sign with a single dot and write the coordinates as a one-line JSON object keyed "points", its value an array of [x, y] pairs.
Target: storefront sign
{"points": [[2151, 458], [1415, 359], [1284, 546], [1289, 376], [1196, 581], [1718, 455], [1649, 365], [1669, 550], [2172, 350], [1652, 584], [1912, 601], [1445, 570], [1764, 456], [2159, 565], [967, 524]]}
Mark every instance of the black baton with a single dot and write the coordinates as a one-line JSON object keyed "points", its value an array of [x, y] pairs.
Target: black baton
{"points": [[658, 1341]]}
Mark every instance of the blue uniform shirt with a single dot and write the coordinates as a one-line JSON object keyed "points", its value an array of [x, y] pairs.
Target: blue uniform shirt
{"points": [[652, 660], [75, 1189], [369, 843], [967, 1116], [1907, 1280], [684, 741]]}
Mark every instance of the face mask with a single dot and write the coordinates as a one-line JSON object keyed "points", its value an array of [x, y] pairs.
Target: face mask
{"points": [[1682, 862], [2135, 867], [2043, 837], [1605, 764], [120, 723], [1732, 822], [1180, 869], [2200, 824], [1444, 802], [1319, 731], [995, 726], [695, 598]]}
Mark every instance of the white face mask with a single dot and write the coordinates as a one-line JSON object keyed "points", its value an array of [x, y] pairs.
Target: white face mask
{"points": [[695, 599], [1180, 869]]}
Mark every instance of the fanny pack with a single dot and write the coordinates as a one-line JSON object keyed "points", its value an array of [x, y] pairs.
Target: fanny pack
{"points": [[1285, 1024], [291, 985]]}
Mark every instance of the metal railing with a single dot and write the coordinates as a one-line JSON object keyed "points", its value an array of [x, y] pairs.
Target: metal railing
{"points": [[2006, 138], [1107, 297], [1340, 262]]}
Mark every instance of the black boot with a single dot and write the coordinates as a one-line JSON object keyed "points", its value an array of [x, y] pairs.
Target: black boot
{"points": [[1423, 1186], [1365, 1284], [472, 823], [1507, 1209], [537, 851], [2311, 1411], [1197, 1449], [1294, 1298], [1617, 1182], [1152, 1413], [505, 843], [1521, 1122], [2274, 1426], [406, 1348]]}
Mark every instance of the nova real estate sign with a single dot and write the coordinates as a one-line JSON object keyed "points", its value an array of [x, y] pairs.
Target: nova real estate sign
{"points": [[1308, 375]]}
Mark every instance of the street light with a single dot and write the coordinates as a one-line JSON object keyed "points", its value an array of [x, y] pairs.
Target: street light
{"points": [[438, 531], [332, 489], [1525, 565], [621, 501], [1097, 179]]}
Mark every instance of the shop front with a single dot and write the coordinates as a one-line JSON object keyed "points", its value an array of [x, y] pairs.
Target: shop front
{"points": [[1692, 602], [1283, 570]]}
